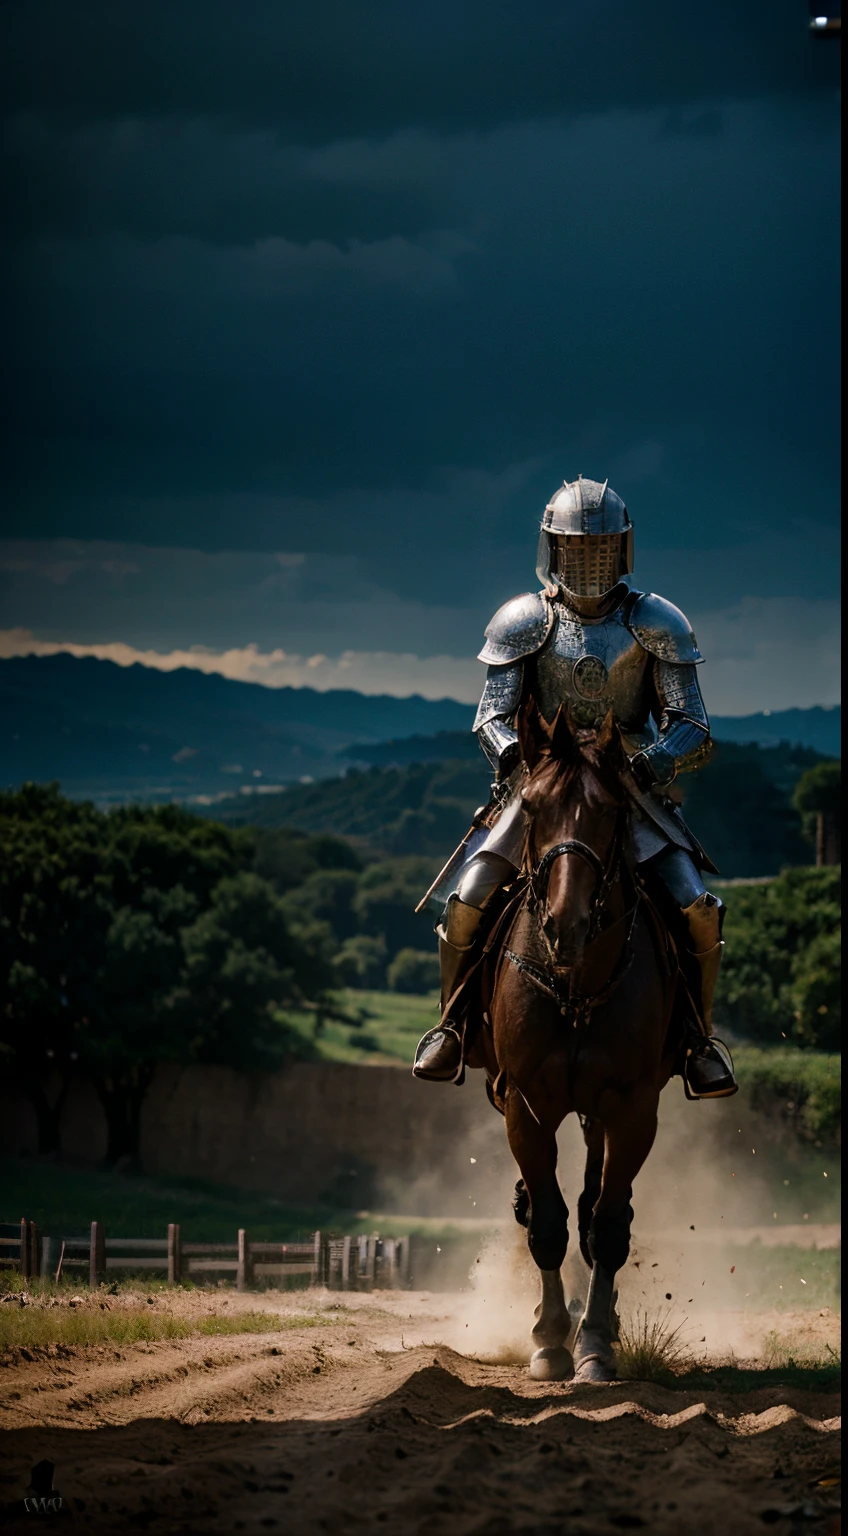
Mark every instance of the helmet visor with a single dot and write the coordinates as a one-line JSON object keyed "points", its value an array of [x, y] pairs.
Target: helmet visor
{"points": [[588, 564]]}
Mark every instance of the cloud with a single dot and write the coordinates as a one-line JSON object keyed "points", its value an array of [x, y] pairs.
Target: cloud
{"points": [[754, 661], [317, 67], [367, 672]]}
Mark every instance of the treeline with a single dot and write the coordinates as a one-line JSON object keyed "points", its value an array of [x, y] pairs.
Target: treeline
{"points": [[146, 934], [740, 804], [781, 977]]}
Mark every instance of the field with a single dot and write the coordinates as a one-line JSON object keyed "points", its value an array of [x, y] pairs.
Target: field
{"points": [[405, 1412], [391, 1024]]}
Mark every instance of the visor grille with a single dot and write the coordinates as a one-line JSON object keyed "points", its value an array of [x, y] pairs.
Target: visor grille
{"points": [[588, 565]]}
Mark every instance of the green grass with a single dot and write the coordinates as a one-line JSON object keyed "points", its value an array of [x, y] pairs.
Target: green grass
{"points": [[804, 1085], [781, 1279], [99, 1321], [391, 1025]]}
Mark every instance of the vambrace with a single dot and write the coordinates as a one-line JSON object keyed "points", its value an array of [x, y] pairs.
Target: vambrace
{"points": [[500, 744], [500, 701], [684, 729]]}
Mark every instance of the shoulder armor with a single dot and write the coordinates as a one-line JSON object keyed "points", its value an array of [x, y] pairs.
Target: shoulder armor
{"points": [[518, 629], [663, 630]]}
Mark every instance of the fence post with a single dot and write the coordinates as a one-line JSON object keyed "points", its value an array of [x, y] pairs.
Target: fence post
{"points": [[46, 1256], [244, 1273], [24, 1240], [345, 1276], [371, 1262], [404, 1246], [317, 1258], [97, 1255], [33, 1255], [390, 1265], [174, 1254]]}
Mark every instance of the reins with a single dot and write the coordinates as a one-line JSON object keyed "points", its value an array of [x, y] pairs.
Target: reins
{"points": [[572, 1004]]}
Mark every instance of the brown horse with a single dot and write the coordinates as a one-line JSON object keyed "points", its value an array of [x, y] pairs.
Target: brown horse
{"points": [[579, 1017]]}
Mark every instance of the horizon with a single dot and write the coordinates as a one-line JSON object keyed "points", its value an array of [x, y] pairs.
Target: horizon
{"points": [[171, 668]]}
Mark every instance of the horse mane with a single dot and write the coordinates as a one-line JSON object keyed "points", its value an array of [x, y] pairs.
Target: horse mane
{"points": [[563, 751]]}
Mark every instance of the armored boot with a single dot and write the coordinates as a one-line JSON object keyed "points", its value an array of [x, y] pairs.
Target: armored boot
{"points": [[707, 1066], [438, 1056]]}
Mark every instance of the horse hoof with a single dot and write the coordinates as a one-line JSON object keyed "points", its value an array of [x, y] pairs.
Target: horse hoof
{"points": [[594, 1369], [552, 1364]]}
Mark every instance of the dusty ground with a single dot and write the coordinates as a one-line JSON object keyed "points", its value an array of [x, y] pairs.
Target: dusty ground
{"points": [[351, 1417]]}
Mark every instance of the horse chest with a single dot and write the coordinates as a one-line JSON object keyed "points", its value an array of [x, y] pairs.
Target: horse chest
{"points": [[593, 668]]}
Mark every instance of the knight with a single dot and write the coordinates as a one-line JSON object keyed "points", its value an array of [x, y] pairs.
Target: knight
{"points": [[590, 640]]}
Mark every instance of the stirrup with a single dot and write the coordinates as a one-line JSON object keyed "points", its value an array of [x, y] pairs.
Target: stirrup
{"points": [[438, 1056], [719, 1081]]}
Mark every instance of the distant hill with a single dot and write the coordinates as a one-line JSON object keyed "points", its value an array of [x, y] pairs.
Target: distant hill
{"points": [[739, 804], [119, 733], [817, 728]]}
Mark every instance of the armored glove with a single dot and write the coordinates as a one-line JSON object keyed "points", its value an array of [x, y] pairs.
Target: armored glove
{"points": [[653, 768]]}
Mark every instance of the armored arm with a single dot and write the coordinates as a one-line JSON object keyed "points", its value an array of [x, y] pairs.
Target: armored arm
{"points": [[684, 729], [498, 706], [518, 629]]}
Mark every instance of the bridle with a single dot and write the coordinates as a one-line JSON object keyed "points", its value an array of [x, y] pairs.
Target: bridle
{"points": [[540, 876], [573, 1004]]}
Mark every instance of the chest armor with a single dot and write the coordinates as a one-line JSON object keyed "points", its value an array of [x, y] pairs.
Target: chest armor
{"points": [[593, 667]]}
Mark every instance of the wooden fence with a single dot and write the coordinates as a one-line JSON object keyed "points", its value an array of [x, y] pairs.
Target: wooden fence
{"points": [[339, 1263]]}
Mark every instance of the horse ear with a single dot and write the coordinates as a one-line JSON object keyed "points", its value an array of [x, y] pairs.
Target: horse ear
{"points": [[533, 734], [609, 737], [562, 734]]}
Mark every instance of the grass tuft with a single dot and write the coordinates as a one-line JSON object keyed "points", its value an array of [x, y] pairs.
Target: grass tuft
{"points": [[650, 1349]]}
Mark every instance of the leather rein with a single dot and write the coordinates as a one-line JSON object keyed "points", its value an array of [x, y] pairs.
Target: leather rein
{"points": [[574, 1005]]}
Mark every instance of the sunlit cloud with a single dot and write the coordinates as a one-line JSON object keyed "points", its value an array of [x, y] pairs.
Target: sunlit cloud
{"points": [[368, 672], [754, 660]]}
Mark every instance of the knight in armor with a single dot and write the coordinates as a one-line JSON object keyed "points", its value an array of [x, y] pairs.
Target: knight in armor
{"points": [[589, 639]]}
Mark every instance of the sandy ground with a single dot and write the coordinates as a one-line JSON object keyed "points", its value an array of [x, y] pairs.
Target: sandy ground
{"points": [[357, 1415]]}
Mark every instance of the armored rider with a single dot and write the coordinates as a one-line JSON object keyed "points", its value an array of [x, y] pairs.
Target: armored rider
{"points": [[590, 640]]}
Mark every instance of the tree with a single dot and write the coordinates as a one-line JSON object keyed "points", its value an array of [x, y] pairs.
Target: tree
{"points": [[386, 901], [55, 911], [818, 798], [242, 963], [780, 977], [361, 962], [414, 970]]}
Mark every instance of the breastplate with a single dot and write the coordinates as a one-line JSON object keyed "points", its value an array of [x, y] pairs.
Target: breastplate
{"points": [[594, 667]]}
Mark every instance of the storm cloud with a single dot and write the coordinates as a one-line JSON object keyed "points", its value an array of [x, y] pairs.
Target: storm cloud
{"points": [[362, 284]]}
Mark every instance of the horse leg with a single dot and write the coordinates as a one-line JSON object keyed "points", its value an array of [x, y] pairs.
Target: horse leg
{"points": [[540, 1207], [593, 1136], [628, 1140]]}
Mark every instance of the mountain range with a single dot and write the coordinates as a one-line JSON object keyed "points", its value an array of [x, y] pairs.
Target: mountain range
{"points": [[114, 733]]}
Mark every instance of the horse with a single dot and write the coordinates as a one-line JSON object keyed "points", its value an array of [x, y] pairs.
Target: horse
{"points": [[579, 1016]]}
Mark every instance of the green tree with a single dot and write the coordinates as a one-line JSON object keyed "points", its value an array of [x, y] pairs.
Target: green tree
{"points": [[243, 962], [414, 971], [55, 911], [361, 961], [818, 798], [780, 976], [327, 896], [386, 900]]}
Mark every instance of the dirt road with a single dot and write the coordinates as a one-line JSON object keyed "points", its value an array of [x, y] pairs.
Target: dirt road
{"points": [[346, 1417]]}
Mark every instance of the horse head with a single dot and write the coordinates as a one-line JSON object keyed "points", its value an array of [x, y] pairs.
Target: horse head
{"points": [[575, 803]]}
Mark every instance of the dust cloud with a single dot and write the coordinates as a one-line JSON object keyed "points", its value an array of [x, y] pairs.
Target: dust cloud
{"points": [[729, 1214]]}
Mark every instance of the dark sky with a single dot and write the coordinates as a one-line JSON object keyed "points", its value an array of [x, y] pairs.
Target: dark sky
{"points": [[311, 306]]}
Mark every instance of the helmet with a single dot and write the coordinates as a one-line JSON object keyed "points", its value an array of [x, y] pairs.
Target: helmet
{"points": [[586, 543]]}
